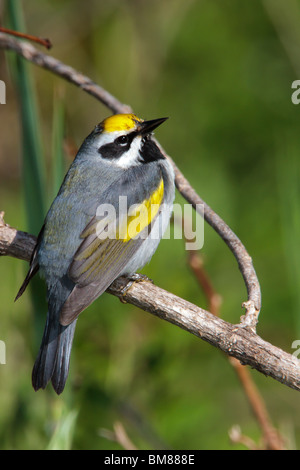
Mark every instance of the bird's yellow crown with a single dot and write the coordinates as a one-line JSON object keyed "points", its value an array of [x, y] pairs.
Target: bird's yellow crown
{"points": [[120, 122]]}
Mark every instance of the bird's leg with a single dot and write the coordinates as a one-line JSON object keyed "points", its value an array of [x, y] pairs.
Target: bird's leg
{"points": [[130, 280]]}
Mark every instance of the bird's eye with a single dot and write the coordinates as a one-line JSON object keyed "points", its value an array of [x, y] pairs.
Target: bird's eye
{"points": [[122, 140]]}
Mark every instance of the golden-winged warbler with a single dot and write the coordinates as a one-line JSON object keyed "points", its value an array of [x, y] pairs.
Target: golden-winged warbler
{"points": [[106, 221]]}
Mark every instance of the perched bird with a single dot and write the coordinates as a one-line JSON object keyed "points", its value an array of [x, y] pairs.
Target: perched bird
{"points": [[106, 221]]}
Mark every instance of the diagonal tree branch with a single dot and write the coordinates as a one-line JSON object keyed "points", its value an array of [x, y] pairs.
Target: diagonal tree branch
{"points": [[29, 52], [234, 340], [253, 303]]}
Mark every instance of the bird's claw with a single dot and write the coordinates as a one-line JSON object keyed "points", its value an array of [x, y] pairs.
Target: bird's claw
{"points": [[130, 280]]}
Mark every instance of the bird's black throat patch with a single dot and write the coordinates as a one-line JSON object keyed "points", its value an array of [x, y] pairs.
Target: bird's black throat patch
{"points": [[149, 151]]}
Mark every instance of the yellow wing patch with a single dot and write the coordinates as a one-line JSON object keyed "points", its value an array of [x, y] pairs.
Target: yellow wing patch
{"points": [[120, 122], [98, 250], [141, 215]]}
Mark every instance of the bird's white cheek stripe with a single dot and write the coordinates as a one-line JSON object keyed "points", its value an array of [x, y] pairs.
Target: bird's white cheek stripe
{"points": [[129, 158]]}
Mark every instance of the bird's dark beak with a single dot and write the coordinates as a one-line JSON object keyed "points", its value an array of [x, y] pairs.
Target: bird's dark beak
{"points": [[147, 127]]}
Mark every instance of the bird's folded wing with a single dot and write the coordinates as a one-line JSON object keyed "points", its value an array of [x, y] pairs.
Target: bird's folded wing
{"points": [[107, 247]]}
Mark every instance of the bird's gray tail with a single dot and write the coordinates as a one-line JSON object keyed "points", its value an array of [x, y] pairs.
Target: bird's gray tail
{"points": [[53, 358], [52, 362]]}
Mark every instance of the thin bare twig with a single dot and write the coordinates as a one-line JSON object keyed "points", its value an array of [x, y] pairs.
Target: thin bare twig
{"points": [[253, 304], [271, 437], [43, 41], [118, 435], [214, 299], [237, 437]]}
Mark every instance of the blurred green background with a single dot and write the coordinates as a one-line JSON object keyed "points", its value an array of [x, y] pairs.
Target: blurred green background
{"points": [[222, 71]]}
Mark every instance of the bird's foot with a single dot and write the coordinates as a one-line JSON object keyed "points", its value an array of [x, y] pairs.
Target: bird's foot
{"points": [[130, 280]]}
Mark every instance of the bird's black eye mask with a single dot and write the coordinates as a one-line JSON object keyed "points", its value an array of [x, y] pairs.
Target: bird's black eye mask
{"points": [[149, 151], [119, 146]]}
